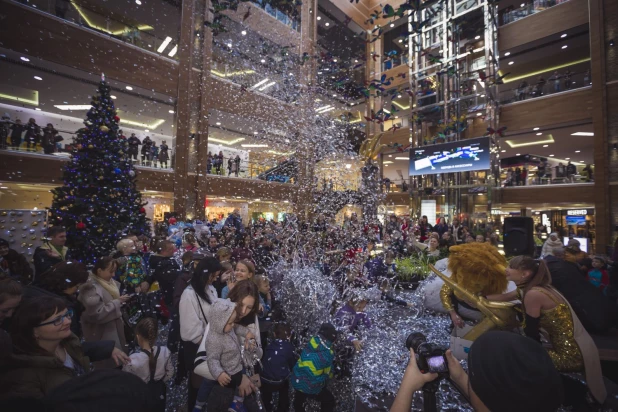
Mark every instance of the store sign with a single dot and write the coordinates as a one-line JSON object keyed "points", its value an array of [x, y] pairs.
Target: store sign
{"points": [[577, 212]]}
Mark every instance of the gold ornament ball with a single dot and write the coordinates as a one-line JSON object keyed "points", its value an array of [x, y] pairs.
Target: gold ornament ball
{"points": [[100, 230], [90, 146], [104, 128], [35, 223]]}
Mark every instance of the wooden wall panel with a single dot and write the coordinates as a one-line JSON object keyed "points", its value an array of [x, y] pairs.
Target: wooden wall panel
{"points": [[25, 168], [554, 20], [395, 72], [266, 26], [248, 188], [550, 195], [31, 32], [544, 111]]}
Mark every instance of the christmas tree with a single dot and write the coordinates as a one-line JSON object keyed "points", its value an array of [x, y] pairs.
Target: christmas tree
{"points": [[99, 201]]}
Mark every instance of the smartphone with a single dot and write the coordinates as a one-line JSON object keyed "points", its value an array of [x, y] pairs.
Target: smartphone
{"points": [[437, 364]]}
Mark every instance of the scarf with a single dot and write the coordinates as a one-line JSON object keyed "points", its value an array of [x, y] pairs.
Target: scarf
{"points": [[110, 286]]}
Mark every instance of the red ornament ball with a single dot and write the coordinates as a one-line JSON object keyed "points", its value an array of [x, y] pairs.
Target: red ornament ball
{"points": [[80, 226], [116, 119], [172, 220], [142, 210]]}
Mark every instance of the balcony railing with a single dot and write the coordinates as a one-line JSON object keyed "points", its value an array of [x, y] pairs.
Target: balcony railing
{"points": [[115, 25], [510, 15], [546, 85], [246, 169], [278, 14], [554, 176]]}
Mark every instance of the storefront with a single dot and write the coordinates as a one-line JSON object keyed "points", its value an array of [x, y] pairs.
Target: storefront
{"points": [[568, 223]]}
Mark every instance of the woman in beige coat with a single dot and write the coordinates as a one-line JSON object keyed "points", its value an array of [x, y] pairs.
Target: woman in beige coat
{"points": [[102, 319]]}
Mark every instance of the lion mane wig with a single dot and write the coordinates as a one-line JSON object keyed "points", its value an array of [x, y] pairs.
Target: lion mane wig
{"points": [[478, 268]]}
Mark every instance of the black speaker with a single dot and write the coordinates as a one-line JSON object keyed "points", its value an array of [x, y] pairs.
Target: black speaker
{"points": [[519, 236]]}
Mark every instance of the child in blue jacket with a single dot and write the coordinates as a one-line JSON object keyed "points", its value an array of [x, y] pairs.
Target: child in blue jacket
{"points": [[313, 369], [277, 363]]}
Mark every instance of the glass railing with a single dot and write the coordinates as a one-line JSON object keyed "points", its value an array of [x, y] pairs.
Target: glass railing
{"points": [[276, 13], [246, 169], [62, 150], [118, 25], [260, 76], [553, 176], [510, 15], [546, 85]]}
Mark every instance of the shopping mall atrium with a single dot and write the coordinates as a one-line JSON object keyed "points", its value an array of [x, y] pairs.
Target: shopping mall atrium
{"points": [[474, 110]]}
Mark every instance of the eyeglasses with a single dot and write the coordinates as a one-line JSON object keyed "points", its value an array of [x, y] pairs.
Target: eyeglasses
{"points": [[60, 319]]}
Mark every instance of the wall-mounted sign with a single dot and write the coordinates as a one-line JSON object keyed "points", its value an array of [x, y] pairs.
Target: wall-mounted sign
{"points": [[577, 212]]}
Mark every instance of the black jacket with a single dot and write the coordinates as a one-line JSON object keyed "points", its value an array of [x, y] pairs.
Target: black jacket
{"points": [[18, 266], [596, 312], [165, 270], [43, 261]]}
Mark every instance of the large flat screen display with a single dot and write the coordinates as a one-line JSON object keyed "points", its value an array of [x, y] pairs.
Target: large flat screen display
{"points": [[462, 156]]}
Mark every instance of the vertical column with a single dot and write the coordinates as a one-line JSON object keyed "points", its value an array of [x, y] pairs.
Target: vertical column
{"points": [[603, 205], [183, 118]]}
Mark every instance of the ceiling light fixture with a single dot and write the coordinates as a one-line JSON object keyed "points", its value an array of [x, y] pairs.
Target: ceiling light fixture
{"points": [[262, 61], [564, 47], [518, 154], [171, 111], [479, 114], [577, 151], [38, 78], [536, 128], [477, 37], [392, 24], [73, 106], [511, 63], [539, 133], [254, 145], [502, 151], [507, 54], [258, 84], [129, 88], [113, 97], [138, 2], [522, 4], [545, 145], [400, 40], [327, 24], [319, 18], [563, 36], [172, 52], [266, 86], [567, 158], [163, 45], [402, 158], [24, 59], [36, 108], [218, 123], [582, 134], [551, 155]]}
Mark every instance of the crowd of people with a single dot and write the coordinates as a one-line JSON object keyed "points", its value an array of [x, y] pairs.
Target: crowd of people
{"points": [[204, 307]]}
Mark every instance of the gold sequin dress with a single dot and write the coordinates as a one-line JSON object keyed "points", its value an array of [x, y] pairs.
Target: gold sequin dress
{"points": [[558, 323]]}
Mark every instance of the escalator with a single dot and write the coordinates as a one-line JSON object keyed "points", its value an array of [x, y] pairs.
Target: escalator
{"points": [[284, 172]]}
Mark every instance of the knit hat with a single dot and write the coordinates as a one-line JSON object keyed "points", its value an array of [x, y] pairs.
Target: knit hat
{"points": [[512, 373], [328, 332], [573, 244]]}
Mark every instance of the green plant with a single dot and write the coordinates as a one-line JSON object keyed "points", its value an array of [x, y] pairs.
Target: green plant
{"points": [[414, 266]]}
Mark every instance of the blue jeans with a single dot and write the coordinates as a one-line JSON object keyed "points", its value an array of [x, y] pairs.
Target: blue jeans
{"points": [[204, 392]]}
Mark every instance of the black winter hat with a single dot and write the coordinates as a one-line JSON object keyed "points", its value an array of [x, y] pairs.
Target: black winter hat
{"points": [[328, 332]]}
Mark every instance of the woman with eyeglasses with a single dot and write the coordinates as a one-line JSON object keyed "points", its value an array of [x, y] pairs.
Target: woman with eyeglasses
{"points": [[45, 352]]}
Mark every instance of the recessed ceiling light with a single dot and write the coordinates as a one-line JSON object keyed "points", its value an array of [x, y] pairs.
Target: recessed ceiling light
{"points": [[24, 59], [113, 97], [503, 151], [577, 151], [129, 88], [507, 54], [563, 36], [551, 155], [582, 134], [36, 108], [522, 5], [38, 78], [319, 17], [539, 133], [567, 158], [390, 155], [255, 132], [218, 123], [327, 24], [392, 24], [164, 44], [355, 61], [138, 2], [536, 128], [479, 114], [545, 145], [511, 63], [171, 111], [477, 37], [564, 47], [400, 40], [518, 154], [244, 32]]}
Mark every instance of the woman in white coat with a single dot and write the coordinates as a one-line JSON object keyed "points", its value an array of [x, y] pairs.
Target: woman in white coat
{"points": [[552, 241], [194, 310], [102, 319]]}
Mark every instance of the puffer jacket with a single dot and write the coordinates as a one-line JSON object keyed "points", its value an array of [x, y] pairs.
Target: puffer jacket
{"points": [[223, 348], [311, 372]]}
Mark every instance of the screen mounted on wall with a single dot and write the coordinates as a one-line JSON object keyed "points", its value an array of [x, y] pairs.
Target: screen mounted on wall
{"points": [[462, 156]]}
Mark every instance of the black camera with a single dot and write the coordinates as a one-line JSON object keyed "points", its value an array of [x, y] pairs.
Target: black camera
{"points": [[429, 356]]}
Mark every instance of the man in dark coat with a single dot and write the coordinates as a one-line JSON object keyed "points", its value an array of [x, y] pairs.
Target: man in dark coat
{"points": [[14, 264], [596, 312], [234, 220], [165, 269]]}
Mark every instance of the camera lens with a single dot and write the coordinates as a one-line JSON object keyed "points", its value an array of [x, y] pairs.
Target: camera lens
{"points": [[414, 340]]}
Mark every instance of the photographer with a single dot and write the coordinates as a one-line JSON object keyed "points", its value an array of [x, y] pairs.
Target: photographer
{"points": [[507, 372]]}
